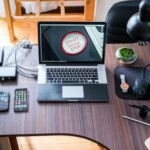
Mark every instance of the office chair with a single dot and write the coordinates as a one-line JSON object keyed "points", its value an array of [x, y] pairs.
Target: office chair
{"points": [[117, 18]]}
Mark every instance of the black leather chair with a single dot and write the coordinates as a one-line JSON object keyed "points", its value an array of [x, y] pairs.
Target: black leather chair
{"points": [[117, 18]]}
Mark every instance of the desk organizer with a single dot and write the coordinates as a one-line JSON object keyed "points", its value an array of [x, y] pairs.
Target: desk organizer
{"points": [[131, 73]]}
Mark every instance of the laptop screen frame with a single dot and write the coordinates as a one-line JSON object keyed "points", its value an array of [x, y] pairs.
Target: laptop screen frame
{"points": [[70, 23]]}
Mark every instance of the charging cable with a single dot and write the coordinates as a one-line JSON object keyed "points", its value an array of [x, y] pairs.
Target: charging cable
{"points": [[24, 48]]}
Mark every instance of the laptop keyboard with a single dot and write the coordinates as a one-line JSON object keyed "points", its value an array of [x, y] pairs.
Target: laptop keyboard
{"points": [[72, 75]]}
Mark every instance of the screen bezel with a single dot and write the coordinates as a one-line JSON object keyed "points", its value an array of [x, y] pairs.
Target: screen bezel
{"points": [[71, 23]]}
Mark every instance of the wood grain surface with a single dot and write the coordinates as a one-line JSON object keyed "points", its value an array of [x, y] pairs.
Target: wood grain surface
{"points": [[101, 122]]}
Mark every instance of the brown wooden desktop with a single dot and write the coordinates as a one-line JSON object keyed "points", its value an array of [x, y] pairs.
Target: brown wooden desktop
{"points": [[101, 122]]}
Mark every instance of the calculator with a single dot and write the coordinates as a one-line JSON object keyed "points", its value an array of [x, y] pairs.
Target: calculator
{"points": [[21, 100], [4, 101]]}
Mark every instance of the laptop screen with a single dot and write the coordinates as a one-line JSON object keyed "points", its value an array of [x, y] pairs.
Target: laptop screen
{"points": [[71, 42]]}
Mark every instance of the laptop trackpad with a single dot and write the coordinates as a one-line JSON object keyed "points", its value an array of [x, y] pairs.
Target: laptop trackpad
{"points": [[72, 92]]}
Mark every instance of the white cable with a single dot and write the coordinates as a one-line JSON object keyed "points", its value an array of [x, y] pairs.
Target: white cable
{"points": [[27, 75], [15, 48], [34, 69], [30, 72]]}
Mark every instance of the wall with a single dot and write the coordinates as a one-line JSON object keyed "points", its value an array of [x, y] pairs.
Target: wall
{"points": [[102, 7]]}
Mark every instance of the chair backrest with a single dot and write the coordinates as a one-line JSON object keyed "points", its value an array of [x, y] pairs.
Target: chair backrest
{"points": [[117, 18]]}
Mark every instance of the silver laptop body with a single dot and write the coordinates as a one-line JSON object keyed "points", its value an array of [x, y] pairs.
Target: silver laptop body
{"points": [[71, 62]]}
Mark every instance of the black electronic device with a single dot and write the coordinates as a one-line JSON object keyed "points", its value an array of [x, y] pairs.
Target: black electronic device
{"points": [[4, 101], [1, 56], [21, 100], [140, 86]]}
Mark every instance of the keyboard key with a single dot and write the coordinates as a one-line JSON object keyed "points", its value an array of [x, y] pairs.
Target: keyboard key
{"points": [[72, 75]]}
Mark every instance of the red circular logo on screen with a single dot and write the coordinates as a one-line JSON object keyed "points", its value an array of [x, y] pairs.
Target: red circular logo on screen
{"points": [[74, 43]]}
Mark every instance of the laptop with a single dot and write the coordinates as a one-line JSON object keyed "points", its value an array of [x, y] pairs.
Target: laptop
{"points": [[71, 62]]}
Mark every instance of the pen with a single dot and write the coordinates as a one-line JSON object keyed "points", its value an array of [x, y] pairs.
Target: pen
{"points": [[135, 120]]}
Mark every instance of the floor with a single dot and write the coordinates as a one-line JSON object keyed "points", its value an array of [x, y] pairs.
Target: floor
{"points": [[46, 142], [21, 30], [57, 143]]}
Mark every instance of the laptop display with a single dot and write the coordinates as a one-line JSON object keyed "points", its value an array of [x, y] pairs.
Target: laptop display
{"points": [[71, 42]]}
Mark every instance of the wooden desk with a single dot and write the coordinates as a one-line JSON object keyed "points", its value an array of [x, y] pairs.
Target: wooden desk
{"points": [[102, 122]]}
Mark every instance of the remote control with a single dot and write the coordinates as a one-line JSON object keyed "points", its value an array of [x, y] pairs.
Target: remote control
{"points": [[21, 100], [4, 101]]}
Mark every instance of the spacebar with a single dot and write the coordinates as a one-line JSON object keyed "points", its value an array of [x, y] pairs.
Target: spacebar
{"points": [[65, 81]]}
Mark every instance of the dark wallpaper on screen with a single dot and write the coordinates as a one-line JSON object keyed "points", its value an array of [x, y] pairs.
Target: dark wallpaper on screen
{"points": [[52, 37]]}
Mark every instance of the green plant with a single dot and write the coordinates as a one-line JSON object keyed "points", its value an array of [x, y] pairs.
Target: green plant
{"points": [[126, 53]]}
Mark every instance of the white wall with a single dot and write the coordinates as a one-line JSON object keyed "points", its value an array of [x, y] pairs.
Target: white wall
{"points": [[102, 7]]}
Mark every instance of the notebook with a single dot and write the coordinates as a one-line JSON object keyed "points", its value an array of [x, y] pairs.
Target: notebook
{"points": [[71, 62]]}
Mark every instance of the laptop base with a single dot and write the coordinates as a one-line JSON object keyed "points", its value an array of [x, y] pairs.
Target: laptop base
{"points": [[57, 93]]}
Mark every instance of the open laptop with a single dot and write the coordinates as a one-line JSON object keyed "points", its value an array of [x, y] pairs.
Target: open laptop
{"points": [[71, 62]]}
